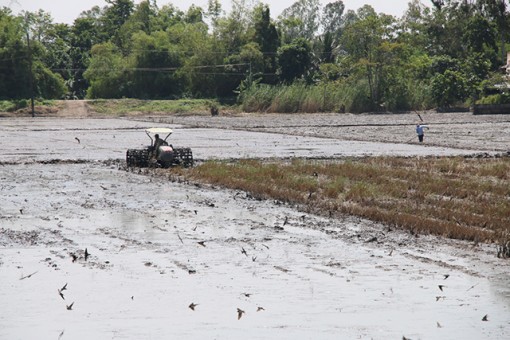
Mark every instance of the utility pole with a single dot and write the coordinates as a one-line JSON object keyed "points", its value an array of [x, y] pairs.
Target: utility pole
{"points": [[250, 76], [31, 78]]}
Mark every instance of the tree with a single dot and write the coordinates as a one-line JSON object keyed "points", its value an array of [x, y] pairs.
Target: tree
{"points": [[332, 18], [115, 16], [194, 15], [266, 36], [57, 56], [480, 35], [496, 10], [214, 11], [107, 73], [368, 41], [449, 88], [14, 65], [294, 60], [166, 17], [85, 33], [327, 55], [302, 19], [240, 69], [155, 65], [25, 52], [332, 25]]}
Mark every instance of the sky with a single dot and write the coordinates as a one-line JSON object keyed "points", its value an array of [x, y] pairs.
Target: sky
{"points": [[65, 11]]}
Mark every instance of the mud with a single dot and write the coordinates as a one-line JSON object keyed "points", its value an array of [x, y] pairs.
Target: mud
{"points": [[313, 277]]}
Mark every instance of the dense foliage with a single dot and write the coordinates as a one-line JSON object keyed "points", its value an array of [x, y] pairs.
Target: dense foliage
{"points": [[312, 57]]}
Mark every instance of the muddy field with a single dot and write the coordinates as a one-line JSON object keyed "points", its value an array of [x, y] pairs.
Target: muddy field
{"points": [[158, 246]]}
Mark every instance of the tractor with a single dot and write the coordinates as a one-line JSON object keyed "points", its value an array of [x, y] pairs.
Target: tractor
{"points": [[159, 153]]}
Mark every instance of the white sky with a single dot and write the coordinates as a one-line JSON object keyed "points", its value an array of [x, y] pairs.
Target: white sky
{"points": [[67, 10]]}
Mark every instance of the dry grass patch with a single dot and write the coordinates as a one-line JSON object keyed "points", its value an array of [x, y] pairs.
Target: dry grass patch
{"points": [[457, 197]]}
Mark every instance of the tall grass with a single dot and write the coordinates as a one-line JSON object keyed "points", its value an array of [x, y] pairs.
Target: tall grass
{"points": [[343, 95], [126, 106], [297, 97], [459, 198]]}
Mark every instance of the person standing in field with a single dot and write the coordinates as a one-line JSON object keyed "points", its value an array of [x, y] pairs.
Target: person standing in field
{"points": [[419, 131]]}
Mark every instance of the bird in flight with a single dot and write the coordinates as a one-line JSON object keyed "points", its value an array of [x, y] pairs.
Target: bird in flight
{"points": [[61, 294], [87, 254], [77, 139], [202, 243], [192, 306], [240, 313], [27, 276], [243, 251], [260, 309], [485, 317], [63, 288], [441, 287], [70, 307]]}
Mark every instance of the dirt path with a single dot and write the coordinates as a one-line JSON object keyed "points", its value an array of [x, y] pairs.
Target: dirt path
{"points": [[74, 108]]}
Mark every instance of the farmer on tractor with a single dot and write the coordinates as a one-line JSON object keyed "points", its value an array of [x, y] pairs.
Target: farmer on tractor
{"points": [[157, 143], [159, 153]]}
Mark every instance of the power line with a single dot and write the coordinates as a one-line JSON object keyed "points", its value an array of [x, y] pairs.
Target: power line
{"points": [[151, 69]]}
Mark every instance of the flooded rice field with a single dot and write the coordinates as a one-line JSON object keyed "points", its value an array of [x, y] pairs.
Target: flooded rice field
{"points": [[89, 249]]}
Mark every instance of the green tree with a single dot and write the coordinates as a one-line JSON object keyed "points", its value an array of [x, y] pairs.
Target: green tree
{"points": [[194, 15], [497, 11], [332, 18], [449, 88], [154, 67], [166, 17], [85, 33], [214, 11], [115, 16], [14, 65], [327, 54], [266, 36], [368, 41], [24, 54], [294, 60], [107, 73], [48, 84], [301, 19], [57, 56]]}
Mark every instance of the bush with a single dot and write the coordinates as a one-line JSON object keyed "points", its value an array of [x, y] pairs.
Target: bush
{"points": [[495, 99]]}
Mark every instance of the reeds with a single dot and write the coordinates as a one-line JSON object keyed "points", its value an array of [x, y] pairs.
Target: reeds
{"points": [[459, 198]]}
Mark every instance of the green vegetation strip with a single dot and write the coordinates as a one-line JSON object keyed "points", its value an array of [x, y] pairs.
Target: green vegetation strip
{"points": [[13, 105], [459, 198], [128, 106]]}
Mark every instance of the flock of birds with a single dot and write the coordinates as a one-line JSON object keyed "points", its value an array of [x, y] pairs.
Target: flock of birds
{"points": [[442, 289], [240, 312], [193, 306]]}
